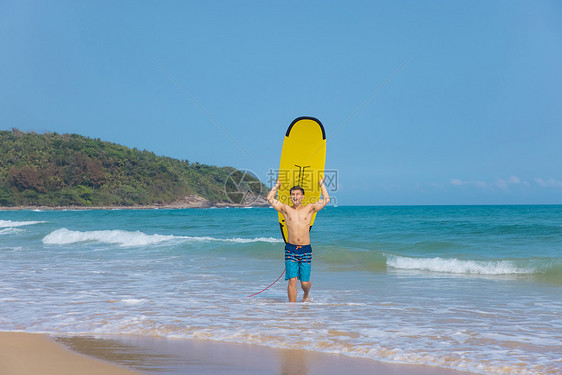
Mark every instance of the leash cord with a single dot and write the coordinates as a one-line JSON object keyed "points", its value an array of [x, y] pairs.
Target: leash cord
{"points": [[282, 273]]}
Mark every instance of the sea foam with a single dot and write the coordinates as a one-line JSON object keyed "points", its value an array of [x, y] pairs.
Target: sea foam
{"points": [[124, 238], [248, 240], [13, 224], [457, 266], [11, 231], [64, 236]]}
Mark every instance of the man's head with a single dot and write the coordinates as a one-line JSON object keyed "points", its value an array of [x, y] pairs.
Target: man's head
{"points": [[297, 194]]}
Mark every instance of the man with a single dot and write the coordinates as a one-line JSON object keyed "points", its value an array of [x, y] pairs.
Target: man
{"points": [[298, 253]]}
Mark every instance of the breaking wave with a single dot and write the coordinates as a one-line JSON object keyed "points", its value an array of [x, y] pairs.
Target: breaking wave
{"points": [[457, 266], [14, 224], [124, 238]]}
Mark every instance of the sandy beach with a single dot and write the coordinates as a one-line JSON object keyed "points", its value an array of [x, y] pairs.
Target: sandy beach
{"points": [[27, 354]]}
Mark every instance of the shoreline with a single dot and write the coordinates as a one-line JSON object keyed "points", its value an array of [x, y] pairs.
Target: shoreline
{"points": [[25, 353], [226, 205], [189, 201], [147, 207], [109, 208]]}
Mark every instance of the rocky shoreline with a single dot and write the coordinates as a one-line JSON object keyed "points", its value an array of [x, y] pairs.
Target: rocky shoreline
{"points": [[190, 201]]}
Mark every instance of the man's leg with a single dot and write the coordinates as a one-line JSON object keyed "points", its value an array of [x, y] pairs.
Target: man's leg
{"points": [[292, 289], [304, 277], [305, 285]]}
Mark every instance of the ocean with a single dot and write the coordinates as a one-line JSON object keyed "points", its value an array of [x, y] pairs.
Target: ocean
{"points": [[474, 288]]}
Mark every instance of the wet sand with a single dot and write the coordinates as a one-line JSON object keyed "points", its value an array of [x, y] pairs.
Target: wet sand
{"points": [[26, 354]]}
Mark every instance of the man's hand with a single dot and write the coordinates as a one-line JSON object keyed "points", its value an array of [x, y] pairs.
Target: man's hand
{"points": [[271, 197], [317, 206]]}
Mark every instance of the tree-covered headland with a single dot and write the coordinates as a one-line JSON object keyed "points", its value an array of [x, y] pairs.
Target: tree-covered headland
{"points": [[72, 170]]}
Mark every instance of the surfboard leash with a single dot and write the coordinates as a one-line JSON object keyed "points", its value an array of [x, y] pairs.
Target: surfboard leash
{"points": [[282, 273]]}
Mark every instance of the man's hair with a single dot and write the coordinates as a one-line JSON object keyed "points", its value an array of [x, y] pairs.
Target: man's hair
{"points": [[296, 188]]}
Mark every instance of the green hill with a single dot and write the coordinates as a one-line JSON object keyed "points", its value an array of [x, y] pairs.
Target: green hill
{"points": [[71, 170]]}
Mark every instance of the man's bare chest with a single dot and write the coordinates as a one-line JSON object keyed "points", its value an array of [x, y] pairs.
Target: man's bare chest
{"points": [[301, 217]]}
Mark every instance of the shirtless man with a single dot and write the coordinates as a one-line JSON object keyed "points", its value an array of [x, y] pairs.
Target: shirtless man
{"points": [[298, 253]]}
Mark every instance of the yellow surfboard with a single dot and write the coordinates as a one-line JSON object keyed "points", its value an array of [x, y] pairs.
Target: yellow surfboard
{"points": [[303, 158]]}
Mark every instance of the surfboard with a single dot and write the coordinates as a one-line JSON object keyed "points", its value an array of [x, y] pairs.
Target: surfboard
{"points": [[303, 158]]}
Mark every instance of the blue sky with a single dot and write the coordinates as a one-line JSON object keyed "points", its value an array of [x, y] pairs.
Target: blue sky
{"points": [[424, 102]]}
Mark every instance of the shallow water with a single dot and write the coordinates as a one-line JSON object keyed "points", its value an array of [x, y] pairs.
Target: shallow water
{"points": [[469, 288]]}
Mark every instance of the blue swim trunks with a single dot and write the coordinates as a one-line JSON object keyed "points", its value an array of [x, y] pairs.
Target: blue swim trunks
{"points": [[297, 261]]}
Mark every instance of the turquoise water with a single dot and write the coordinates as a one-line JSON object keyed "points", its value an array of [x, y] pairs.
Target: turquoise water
{"points": [[471, 288]]}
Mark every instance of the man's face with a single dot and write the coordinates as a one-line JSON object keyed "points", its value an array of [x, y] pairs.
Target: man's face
{"points": [[296, 197]]}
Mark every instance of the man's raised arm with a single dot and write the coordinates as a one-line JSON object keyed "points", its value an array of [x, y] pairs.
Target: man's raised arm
{"points": [[271, 197], [322, 202]]}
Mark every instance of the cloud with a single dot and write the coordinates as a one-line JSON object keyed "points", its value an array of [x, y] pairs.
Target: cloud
{"points": [[499, 183], [550, 183], [459, 182], [456, 182], [514, 180], [504, 184], [476, 183]]}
